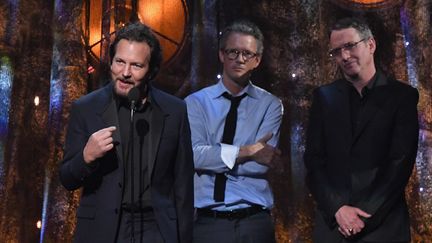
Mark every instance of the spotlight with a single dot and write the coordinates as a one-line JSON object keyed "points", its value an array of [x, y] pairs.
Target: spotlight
{"points": [[36, 100]]}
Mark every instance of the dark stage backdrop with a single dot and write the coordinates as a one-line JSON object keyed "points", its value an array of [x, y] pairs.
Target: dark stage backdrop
{"points": [[44, 67]]}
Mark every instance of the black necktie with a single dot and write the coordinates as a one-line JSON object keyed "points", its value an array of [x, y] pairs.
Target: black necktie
{"points": [[227, 138]]}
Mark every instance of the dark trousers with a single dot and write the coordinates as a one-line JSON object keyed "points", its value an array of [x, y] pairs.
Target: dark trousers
{"points": [[145, 228], [257, 228]]}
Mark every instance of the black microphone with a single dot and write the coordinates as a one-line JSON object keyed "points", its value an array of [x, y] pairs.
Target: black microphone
{"points": [[133, 97]]}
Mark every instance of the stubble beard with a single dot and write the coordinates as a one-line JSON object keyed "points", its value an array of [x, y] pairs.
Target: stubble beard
{"points": [[142, 86], [120, 93], [352, 77]]}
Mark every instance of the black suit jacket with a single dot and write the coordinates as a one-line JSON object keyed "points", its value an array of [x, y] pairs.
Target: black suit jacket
{"points": [[170, 167], [368, 169]]}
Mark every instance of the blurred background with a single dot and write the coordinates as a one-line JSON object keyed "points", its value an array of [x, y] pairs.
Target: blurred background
{"points": [[52, 52]]}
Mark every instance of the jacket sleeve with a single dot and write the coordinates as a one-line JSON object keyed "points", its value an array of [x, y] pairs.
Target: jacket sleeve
{"points": [[73, 169], [183, 184], [328, 199]]}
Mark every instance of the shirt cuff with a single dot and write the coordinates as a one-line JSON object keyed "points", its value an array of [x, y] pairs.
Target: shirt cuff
{"points": [[229, 154]]}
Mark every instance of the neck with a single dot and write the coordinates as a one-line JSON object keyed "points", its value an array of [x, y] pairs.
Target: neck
{"points": [[361, 80], [143, 87], [234, 87]]}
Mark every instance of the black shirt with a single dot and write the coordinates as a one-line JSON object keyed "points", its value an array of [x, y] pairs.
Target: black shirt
{"points": [[139, 156], [358, 101]]}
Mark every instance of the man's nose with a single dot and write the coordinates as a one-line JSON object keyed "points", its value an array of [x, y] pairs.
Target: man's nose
{"points": [[126, 70], [240, 58], [345, 54]]}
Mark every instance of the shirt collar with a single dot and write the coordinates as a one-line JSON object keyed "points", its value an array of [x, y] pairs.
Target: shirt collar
{"points": [[377, 80], [372, 83], [220, 89]]}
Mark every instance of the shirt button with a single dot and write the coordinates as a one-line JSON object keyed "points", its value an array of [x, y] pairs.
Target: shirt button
{"points": [[120, 185]]}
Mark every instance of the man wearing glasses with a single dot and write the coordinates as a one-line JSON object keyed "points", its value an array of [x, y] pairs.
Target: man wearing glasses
{"points": [[361, 145], [235, 129]]}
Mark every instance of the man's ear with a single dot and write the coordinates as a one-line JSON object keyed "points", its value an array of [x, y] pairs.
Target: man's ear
{"points": [[257, 60], [372, 45], [221, 56]]}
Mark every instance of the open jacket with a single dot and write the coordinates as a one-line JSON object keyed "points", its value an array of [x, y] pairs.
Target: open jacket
{"points": [[369, 168], [170, 167]]}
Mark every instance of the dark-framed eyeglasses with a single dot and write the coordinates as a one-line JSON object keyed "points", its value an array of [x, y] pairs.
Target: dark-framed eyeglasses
{"points": [[233, 54], [336, 52]]}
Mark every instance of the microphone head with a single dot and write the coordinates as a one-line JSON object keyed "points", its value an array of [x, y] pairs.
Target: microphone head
{"points": [[133, 95]]}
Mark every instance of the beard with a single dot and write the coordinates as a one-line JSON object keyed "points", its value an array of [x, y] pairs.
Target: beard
{"points": [[120, 93], [123, 93]]}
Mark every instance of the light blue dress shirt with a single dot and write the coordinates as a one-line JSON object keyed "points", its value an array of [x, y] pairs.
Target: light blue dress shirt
{"points": [[259, 113]]}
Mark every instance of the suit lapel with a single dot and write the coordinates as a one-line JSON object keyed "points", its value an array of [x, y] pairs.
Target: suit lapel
{"points": [[157, 121], [342, 114], [109, 117]]}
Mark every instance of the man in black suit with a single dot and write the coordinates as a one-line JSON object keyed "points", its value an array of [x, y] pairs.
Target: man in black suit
{"points": [[361, 145], [151, 198]]}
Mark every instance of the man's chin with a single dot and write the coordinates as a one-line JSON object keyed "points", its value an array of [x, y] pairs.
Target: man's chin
{"points": [[350, 71], [241, 77], [352, 76], [121, 92]]}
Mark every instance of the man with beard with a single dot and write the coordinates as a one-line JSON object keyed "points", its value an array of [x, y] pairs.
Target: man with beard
{"points": [[135, 172], [235, 129], [361, 145]]}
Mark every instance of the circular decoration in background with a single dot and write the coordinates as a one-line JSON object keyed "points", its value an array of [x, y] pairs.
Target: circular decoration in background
{"points": [[167, 18], [367, 4]]}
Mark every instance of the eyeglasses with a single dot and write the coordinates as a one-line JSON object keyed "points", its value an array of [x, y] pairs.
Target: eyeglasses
{"points": [[348, 46], [233, 54]]}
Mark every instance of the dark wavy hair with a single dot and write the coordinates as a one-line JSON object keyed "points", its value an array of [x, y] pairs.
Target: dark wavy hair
{"points": [[140, 33]]}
